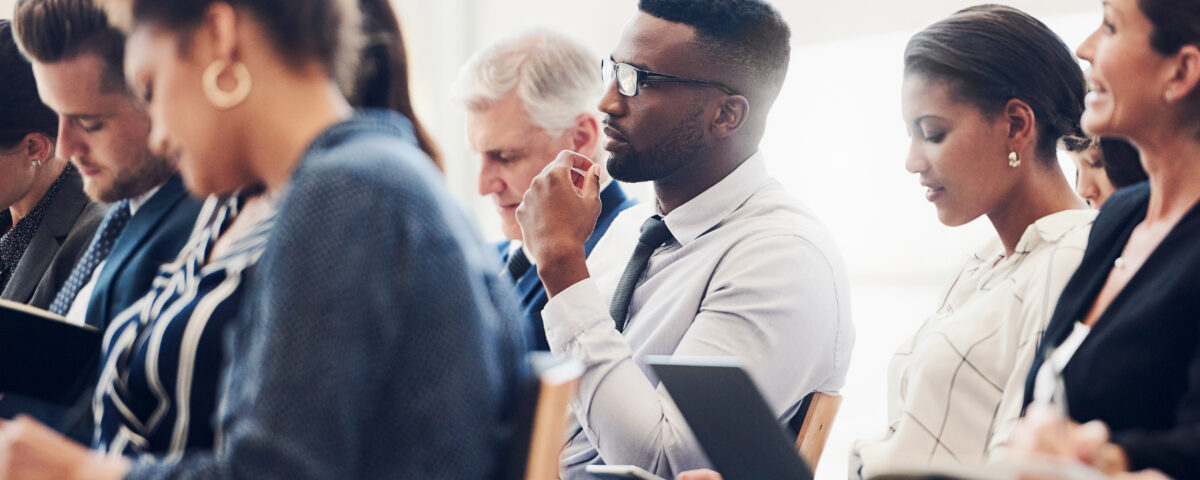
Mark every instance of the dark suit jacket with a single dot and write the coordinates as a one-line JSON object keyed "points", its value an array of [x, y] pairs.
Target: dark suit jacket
{"points": [[1139, 368], [65, 232], [153, 236], [61, 239], [529, 287]]}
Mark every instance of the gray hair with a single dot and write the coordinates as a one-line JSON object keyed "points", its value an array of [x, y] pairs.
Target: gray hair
{"points": [[556, 77]]}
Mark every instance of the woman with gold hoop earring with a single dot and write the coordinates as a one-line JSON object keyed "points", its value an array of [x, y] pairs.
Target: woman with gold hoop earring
{"points": [[46, 221], [375, 340]]}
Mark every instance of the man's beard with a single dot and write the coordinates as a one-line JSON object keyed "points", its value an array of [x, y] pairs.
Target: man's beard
{"points": [[130, 184], [657, 161]]}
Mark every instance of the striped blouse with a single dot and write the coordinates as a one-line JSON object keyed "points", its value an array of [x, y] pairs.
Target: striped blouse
{"points": [[162, 356]]}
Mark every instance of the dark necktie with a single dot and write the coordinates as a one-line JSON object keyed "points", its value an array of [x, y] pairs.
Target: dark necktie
{"points": [[654, 235], [517, 264], [102, 243]]}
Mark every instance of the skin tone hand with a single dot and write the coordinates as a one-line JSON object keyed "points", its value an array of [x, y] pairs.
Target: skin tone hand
{"points": [[1044, 432], [32, 451], [557, 216], [699, 475]]}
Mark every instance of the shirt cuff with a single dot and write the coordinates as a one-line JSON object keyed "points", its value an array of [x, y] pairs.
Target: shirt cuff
{"points": [[572, 312]]}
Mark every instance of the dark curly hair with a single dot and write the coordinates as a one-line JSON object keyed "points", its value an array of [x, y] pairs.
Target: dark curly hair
{"points": [[746, 40]]}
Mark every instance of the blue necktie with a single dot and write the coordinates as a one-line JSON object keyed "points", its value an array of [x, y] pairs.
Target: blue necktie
{"points": [[517, 265], [97, 252], [654, 235]]}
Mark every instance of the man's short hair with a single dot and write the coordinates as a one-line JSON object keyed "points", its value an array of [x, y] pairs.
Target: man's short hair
{"points": [[556, 77], [50, 31], [748, 38]]}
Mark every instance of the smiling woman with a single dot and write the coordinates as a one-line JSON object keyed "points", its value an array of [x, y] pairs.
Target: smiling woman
{"points": [[1124, 335]]}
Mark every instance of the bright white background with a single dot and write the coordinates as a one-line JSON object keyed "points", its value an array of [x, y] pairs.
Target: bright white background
{"points": [[835, 139]]}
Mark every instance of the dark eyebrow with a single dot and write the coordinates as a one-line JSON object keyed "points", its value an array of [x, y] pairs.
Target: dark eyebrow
{"points": [[502, 152], [86, 116]]}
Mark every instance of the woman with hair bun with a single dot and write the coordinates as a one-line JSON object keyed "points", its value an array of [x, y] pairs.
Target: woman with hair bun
{"points": [[988, 93]]}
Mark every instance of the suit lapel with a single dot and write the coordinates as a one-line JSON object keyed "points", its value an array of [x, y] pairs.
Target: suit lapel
{"points": [[57, 223], [139, 229]]}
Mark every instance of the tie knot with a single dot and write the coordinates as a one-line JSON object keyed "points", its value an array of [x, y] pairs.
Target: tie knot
{"points": [[122, 208], [655, 232]]}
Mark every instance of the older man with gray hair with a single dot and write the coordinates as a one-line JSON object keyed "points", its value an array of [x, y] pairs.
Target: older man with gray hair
{"points": [[528, 97]]}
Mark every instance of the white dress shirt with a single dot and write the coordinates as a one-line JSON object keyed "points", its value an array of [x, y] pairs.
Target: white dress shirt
{"points": [[77, 312], [955, 388], [751, 274]]}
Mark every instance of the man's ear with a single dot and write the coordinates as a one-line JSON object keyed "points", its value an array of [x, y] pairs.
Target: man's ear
{"points": [[732, 114], [585, 134]]}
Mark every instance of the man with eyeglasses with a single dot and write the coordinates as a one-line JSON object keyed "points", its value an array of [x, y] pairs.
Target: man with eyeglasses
{"points": [[727, 264]]}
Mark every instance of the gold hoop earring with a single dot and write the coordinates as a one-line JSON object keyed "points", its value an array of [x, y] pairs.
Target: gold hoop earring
{"points": [[1014, 160], [220, 98]]}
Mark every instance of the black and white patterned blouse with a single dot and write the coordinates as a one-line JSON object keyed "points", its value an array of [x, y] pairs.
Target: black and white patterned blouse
{"points": [[16, 240], [162, 356]]}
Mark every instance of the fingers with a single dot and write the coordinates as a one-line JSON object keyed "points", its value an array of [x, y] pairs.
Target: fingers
{"points": [[591, 183], [574, 160], [699, 475]]}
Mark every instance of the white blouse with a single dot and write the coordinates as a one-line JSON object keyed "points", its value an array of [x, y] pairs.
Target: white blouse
{"points": [[955, 388]]}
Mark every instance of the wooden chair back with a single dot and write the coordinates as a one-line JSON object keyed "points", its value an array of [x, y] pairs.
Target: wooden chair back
{"points": [[543, 417], [816, 413]]}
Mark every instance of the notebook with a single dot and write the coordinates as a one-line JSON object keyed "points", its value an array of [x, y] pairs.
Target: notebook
{"points": [[41, 354]]}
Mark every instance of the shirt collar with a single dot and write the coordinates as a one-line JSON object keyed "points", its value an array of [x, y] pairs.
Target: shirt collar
{"points": [[1053, 227], [136, 202], [703, 212], [1048, 229]]}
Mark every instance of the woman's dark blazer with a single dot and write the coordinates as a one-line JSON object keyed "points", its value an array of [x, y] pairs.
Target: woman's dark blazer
{"points": [[1139, 368], [64, 234]]}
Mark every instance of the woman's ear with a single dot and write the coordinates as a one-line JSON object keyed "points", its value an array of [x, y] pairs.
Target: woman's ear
{"points": [[733, 112], [1022, 124], [219, 31], [38, 148], [1186, 74]]}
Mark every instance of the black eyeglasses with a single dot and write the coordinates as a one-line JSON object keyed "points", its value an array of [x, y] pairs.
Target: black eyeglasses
{"points": [[630, 78]]}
